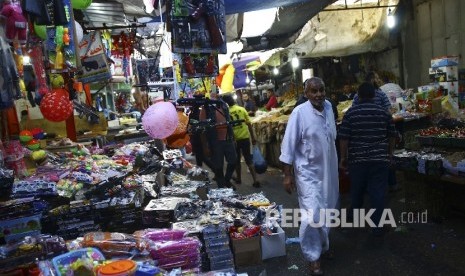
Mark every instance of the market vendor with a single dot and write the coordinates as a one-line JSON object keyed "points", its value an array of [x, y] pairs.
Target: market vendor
{"points": [[272, 100]]}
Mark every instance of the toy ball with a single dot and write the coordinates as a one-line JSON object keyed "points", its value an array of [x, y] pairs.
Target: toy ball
{"points": [[25, 136], [57, 80], [33, 144], [56, 106], [40, 31], [80, 4], [38, 133], [160, 120], [38, 155]]}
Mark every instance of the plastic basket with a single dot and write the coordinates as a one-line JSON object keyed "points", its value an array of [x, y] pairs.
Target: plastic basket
{"points": [[61, 263]]}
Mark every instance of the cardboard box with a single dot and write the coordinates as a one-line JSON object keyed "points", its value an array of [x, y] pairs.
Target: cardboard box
{"points": [[444, 73], [247, 252], [274, 245], [427, 89], [450, 88], [445, 61]]}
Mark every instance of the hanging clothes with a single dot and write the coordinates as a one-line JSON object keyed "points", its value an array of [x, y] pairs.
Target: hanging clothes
{"points": [[9, 77]]}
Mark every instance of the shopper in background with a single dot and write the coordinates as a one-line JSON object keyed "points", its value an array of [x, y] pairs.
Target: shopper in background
{"points": [[367, 138], [272, 100], [221, 141], [243, 134], [347, 93], [248, 104], [308, 153], [382, 100]]}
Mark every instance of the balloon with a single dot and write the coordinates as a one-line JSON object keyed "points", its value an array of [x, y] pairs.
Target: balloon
{"points": [[160, 120], [79, 31], [80, 4], [56, 106], [40, 31]]}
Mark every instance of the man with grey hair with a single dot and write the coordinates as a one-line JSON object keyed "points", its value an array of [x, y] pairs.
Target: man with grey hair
{"points": [[308, 153]]}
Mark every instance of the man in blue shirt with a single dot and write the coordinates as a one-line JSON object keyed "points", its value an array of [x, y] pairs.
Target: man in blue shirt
{"points": [[382, 100], [367, 138]]}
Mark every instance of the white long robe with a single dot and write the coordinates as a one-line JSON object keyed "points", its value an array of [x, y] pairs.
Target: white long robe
{"points": [[309, 145]]}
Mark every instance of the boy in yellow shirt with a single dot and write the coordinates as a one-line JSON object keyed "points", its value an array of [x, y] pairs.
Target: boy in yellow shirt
{"points": [[242, 134]]}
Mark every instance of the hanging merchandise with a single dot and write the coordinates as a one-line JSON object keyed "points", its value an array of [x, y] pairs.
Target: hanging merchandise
{"points": [[199, 65], [40, 31], [93, 59], [198, 26], [121, 51], [9, 78], [16, 23], [60, 41], [37, 62], [50, 12], [160, 120], [179, 138], [81, 4], [147, 70], [56, 106]]}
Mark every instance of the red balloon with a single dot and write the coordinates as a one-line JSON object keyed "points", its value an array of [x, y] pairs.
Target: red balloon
{"points": [[56, 106]]}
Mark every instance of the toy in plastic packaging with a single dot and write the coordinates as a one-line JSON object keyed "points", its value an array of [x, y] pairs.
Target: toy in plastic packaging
{"points": [[161, 234], [117, 244]]}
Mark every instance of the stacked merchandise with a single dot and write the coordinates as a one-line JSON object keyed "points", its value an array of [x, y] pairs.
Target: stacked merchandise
{"points": [[160, 213], [444, 84], [172, 249], [71, 221], [20, 218], [29, 249], [217, 250]]}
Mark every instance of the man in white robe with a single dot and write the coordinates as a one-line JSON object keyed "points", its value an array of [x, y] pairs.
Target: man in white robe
{"points": [[309, 155]]}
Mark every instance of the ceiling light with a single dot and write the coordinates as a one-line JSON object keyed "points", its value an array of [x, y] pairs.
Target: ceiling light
{"points": [[295, 62], [275, 71], [247, 79], [391, 19]]}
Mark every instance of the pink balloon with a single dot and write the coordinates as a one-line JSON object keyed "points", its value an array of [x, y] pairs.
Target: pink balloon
{"points": [[160, 120]]}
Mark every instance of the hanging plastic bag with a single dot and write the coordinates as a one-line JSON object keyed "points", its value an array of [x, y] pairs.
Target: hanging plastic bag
{"points": [[259, 162]]}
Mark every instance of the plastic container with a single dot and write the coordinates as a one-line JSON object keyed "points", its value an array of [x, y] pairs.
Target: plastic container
{"points": [[118, 268], [147, 270], [62, 263]]}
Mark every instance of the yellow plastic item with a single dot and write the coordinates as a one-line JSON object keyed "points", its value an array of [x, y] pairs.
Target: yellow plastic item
{"points": [[59, 59]]}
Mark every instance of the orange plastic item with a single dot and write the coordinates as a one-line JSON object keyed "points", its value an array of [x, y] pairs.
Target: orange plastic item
{"points": [[118, 268]]}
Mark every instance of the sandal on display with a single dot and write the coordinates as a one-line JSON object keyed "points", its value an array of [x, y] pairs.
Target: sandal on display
{"points": [[315, 268]]}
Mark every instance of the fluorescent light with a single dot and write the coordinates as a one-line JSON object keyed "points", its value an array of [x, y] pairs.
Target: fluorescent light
{"points": [[391, 20], [295, 62]]}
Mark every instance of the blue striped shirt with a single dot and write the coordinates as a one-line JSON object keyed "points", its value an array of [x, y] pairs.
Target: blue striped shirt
{"points": [[368, 128]]}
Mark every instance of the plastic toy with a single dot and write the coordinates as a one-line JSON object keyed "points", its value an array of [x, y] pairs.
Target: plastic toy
{"points": [[16, 23]]}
